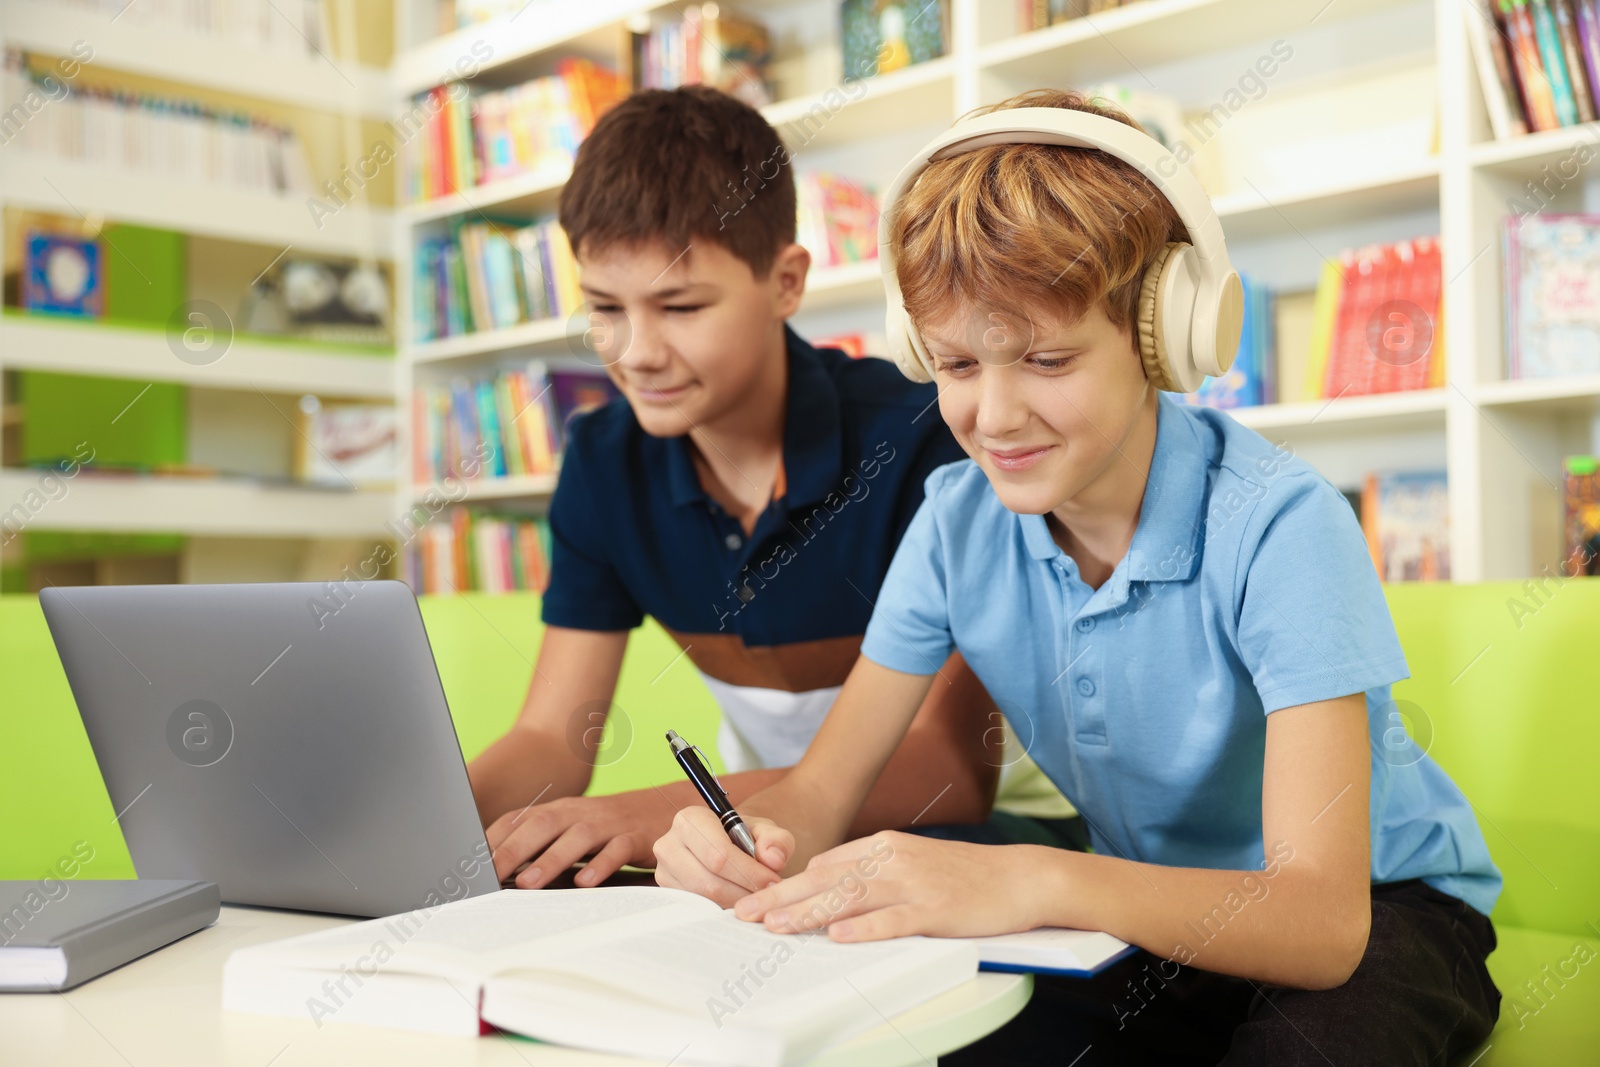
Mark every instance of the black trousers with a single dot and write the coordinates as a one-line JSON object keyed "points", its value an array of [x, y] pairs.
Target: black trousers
{"points": [[1421, 995]]}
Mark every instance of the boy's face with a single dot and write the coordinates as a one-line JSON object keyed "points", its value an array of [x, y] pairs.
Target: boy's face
{"points": [[689, 336], [1044, 407]]}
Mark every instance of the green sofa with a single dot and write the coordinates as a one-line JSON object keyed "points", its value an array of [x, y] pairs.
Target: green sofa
{"points": [[1502, 694]]}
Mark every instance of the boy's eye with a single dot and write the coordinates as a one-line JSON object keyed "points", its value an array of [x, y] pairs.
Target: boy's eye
{"points": [[684, 308], [605, 309], [1054, 362], [955, 367]]}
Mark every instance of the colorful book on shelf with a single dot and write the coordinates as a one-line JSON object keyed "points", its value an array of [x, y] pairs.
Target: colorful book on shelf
{"points": [[348, 445], [1552, 311], [1491, 55], [474, 551], [1581, 515], [1406, 518], [1376, 321], [62, 275], [492, 427], [1547, 35], [837, 219]]}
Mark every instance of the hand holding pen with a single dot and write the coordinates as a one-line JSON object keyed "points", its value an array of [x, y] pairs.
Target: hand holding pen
{"points": [[763, 847]]}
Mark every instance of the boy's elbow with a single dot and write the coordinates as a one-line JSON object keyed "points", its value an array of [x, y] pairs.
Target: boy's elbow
{"points": [[1342, 951]]}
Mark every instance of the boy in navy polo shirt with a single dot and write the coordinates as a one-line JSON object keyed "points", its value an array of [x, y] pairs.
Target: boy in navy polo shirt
{"points": [[748, 493], [1186, 621]]}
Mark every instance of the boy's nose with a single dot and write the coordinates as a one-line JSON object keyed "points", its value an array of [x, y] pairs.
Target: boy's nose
{"points": [[1001, 407]]}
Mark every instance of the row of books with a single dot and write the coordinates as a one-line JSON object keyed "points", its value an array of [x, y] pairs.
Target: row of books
{"points": [[709, 45], [491, 275], [1037, 14], [1538, 62], [1252, 379], [1580, 499], [472, 137], [289, 27], [837, 219], [1552, 295], [507, 424], [172, 137], [480, 552], [1372, 326]]}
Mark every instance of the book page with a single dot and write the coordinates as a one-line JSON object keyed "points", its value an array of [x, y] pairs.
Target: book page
{"points": [[476, 936], [721, 958]]}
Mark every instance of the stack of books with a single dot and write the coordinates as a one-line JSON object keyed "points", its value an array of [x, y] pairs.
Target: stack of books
{"points": [[837, 219], [1552, 293], [1538, 62], [709, 46], [490, 275], [469, 138], [166, 136], [479, 552]]}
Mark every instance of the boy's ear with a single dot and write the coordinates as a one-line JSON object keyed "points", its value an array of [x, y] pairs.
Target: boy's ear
{"points": [[788, 277]]}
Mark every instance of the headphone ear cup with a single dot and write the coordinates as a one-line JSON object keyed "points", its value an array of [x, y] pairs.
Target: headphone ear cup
{"points": [[1153, 331], [903, 348]]}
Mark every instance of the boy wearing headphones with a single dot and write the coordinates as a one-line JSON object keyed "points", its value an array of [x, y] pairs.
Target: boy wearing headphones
{"points": [[1181, 619]]}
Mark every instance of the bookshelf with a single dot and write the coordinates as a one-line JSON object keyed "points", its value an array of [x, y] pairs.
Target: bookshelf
{"points": [[256, 522], [1389, 85]]}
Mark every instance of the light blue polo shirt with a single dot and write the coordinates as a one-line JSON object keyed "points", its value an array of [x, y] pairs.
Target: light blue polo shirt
{"points": [[1247, 588]]}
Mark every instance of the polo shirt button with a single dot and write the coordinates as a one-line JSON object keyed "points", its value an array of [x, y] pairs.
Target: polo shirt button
{"points": [[746, 594], [733, 541], [1086, 687], [1085, 625]]}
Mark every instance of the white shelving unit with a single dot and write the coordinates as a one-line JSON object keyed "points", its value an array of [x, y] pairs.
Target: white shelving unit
{"points": [[1372, 129], [240, 405]]}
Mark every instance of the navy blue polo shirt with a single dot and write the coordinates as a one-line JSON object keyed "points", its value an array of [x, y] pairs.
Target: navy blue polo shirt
{"points": [[773, 621]]}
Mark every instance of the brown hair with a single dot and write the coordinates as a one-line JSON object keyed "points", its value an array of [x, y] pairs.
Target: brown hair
{"points": [[672, 165], [1031, 225]]}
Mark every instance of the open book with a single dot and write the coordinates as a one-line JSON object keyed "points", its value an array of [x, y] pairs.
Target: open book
{"points": [[642, 971], [635, 970]]}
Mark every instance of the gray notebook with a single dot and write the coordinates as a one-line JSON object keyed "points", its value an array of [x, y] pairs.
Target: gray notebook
{"points": [[60, 933]]}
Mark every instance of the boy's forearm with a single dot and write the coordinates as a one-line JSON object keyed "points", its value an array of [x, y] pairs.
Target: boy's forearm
{"points": [[522, 767], [930, 780], [1283, 925]]}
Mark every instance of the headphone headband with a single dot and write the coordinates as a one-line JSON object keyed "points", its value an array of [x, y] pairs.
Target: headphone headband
{"points": [[1212, 282]]}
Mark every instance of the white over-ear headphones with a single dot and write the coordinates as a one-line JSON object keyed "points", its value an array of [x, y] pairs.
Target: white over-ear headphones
{"points": [[1191, 305]]}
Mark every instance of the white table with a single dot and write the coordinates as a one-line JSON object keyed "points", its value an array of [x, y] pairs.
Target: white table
{"points": [[165, 1010]]}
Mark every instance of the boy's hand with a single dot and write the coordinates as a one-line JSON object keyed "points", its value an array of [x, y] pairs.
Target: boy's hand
{"points": [[697, 855], [551, 837], [894, 884]]}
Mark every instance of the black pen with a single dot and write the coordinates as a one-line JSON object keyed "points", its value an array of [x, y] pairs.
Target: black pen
{"points": [[711, 791]]}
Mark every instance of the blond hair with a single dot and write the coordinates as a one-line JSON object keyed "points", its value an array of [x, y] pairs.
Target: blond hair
{"points": [[1033, 226]]}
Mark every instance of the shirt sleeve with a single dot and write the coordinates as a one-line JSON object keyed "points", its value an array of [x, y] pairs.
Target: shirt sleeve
{"points": [[910, 626], [585, 590], [1313, 622]]}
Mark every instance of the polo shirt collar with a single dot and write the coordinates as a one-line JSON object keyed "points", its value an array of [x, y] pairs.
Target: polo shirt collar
{"points": [[812, 445], [1164, 543]]}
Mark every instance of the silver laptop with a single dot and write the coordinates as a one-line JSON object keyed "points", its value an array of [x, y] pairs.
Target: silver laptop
{"points": [[290, 742]]}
